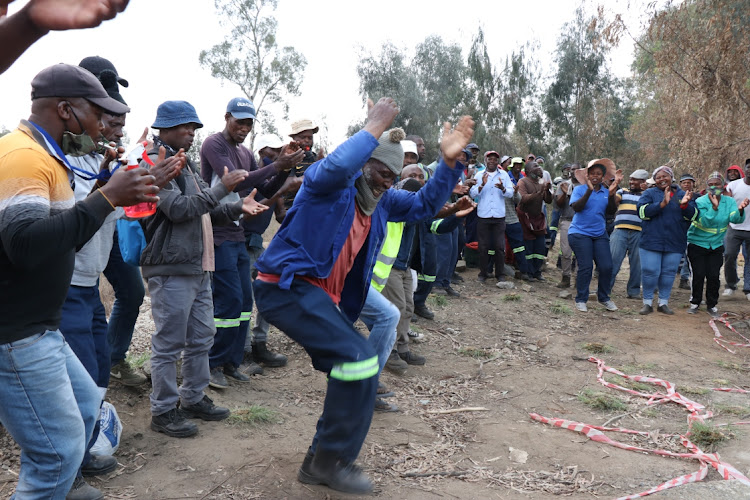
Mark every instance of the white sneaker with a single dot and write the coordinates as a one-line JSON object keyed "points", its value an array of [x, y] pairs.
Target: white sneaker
{"points": [[748, 296], [714, 312], [581, 306], [694, 309], [728, 292], [609, 305], [415, 336]]}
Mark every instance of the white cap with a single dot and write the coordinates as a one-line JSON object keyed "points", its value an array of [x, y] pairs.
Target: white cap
{"points": [[409, 147], [267, 141]]}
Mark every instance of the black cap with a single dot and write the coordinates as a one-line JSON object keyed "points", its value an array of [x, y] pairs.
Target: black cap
{"points": [[97, 64], [65, 80]]}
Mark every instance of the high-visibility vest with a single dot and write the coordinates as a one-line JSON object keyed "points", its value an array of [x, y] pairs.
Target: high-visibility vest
{"points": [[388, 254]]}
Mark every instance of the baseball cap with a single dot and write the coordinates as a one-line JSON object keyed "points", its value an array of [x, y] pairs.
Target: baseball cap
{"points": [[409, 147], [66, 80], [97, 64], [472, 146], [241, 108], [267, 141], [504, 159], [685, 177], [491, 153]]}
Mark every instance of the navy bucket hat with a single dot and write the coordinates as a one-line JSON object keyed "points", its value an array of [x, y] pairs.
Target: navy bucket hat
{"points": [[173, 113]]}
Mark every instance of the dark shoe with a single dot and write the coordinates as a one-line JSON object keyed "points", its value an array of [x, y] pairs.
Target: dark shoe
{"points": [[384, 406], [450, 291], [99, 465], [539, 277], [81, 490], [646, 309], [250, 367], [713, 311], [481, 278], [414, 318], [234, 373], [439, 290], [205, 409], [327, 469], [634, 296], [684, 284], [525, 277], [564, 282], [304, 471], [217, 380], [665, 310], [411, 358], [423, 311], [263, 356], [173, 424], [456, 278], [694, 309], [383, 391], [395, 364], [126, 374]]}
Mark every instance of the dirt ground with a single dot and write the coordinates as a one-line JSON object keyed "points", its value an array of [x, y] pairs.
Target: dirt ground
{"points": [[509, 353]]}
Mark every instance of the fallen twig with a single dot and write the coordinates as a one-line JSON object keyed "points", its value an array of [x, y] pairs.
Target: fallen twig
{"points": [[457, 410], [436, 473]]}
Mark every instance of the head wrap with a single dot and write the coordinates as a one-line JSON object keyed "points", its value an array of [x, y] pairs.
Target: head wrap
{"points": [[716, 175], [665, 169]]}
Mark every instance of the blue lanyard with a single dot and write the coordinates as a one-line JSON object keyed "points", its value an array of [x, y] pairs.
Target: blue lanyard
{"points": [[104, 175]]}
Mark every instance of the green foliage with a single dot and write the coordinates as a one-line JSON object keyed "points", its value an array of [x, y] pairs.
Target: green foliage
{"points": [[560, 308], [601, 401], [512, 297], [253, 416], [597, 348], [475, 352], [139, 360], [437, 300], [708, 436]]}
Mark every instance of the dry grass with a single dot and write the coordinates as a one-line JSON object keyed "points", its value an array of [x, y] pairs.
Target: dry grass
{"points": [[512, 297], [707, 436], [253, 416], [601, 401], [597, 348]]}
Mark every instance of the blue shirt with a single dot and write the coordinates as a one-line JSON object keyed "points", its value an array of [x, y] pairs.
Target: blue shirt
{"points": [[590, 221], [491, 200]]}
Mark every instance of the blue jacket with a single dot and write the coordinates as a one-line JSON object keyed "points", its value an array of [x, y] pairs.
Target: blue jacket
{"points": [[422, 256], [315, 228], [665, 229]]}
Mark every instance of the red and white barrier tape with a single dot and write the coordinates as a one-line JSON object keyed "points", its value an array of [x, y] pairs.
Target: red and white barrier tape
{"points": [[719, 338]]}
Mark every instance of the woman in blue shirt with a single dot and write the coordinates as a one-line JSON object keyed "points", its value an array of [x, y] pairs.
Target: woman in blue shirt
{"points": [[588, 233]]}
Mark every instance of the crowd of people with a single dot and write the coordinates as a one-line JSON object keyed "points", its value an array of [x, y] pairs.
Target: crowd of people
{"points": [[367, 233]]}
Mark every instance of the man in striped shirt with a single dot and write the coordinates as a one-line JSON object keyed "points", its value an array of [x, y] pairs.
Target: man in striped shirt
{"points": [[627, 234]]}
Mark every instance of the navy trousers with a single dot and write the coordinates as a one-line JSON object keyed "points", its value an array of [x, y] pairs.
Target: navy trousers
{"points": [[308, 316]]}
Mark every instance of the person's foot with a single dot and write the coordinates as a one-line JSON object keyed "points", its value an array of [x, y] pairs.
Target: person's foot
{"points": [[205, 409], [539, 277], [250, 367], [384, 406], [81, 490], [383, 391], [456, 278], [664, 309], [99, 465], [581, 306], [713, 311], [728, 292], [423, 311], [412, 358], [684, 284], [173, 424], [451, 291], [481, 278], [217, 380], [327, 469], [609, 305], [415, 336], [263, 356], [646, 309], [234, 373], [126, 375], [693, 309], [564, 282], [439, 290], [525, 277], [634, 296], [395, 364]]}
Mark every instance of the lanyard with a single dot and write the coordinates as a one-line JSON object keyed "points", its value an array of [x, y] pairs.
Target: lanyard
{"points": [[84, 174]]}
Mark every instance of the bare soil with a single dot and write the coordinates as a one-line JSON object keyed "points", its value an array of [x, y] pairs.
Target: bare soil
{"points": [[509, 357]]}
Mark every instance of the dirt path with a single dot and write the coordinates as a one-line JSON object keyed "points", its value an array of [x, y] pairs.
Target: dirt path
{"points": [[511, 357]]}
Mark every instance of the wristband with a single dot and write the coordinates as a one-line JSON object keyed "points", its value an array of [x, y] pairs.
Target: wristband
{"points": [[683, 206], [105, 197]]}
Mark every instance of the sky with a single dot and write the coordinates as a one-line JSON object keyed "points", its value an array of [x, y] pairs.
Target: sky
{"points": [[155, 45]]}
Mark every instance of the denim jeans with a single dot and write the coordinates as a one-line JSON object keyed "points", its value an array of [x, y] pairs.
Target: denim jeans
{"points": [[49, 405], [621, 242], [127, 282], [658, 269], [588, 250], [380, 316]]}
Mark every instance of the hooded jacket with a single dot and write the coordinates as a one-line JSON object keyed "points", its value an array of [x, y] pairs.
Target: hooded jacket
{"points": [[665, 229]]}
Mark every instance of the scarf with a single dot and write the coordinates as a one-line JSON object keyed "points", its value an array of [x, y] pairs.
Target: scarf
{"points": [[365, 199]]}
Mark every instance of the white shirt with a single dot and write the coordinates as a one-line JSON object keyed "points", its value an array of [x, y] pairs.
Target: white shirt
{"points": [[491, 200], [739, 191]]}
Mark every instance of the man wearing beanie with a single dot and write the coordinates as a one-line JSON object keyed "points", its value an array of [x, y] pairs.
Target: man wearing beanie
{"points": [[313, 277]]}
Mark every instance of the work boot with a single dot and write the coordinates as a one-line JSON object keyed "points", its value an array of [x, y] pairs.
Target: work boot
{"points": [[99, 465], [395, 364], [173, 424], [684, 285], [383, 391], [249, 366], [81, 490], [327, 469], [217, 380], [451, 291], [205, 409], [382, 405], [423, 311], [412, 358], [304, 470], [263, 356], [234, 373], [564, 282], [126, 375]]}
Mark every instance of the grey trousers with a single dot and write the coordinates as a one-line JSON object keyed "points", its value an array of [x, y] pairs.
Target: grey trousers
{"points": [[567, 252], [183, 311], [398, 289]]}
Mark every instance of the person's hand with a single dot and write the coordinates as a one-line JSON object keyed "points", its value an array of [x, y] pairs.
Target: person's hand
{"points": [[287, 159], [321, 154], [466, 211], [589, 184], [463, 203], [380, 116], [164, 170], [291, 185], [130, 187], [470, 182], [499, 185], [547, 186], [616, 183], [111, 153], [743, 204], [485, 177], [687, 196], [249, 205], [61, 15], [667, 196], [564, 187], [144, 138], [515, 188], [233, 178], [714, 200], [460, 189], [455, 140]]}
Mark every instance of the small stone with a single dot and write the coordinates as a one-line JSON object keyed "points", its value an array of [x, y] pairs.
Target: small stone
{"points": [[565, 294], [518, 456], [505, 285], [527, 288], [506, 352], [424, 401], [532, 348]]}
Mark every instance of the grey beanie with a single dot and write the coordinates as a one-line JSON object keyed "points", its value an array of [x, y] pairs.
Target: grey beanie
{"points": [[389, 150]]}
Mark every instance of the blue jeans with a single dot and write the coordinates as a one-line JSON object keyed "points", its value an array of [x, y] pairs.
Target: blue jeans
{"points": [[590, 249], [659, 269], [127, 282], [380, 316], [49, 405], [621, 242]]}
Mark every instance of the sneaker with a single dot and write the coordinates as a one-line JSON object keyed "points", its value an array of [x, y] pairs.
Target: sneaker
{"points": [[250, 367], [423, 311], [411, 358], [664, 309], [234, 373], [456, 278], [99, 465], [415, 336], [728, 292], [646, 309], [525, 277], [81, 490], [684, 284], [609, 305], [383, 392], [205, 409], [581, 306], [217, 380], [384, 406], [126, 375], [395, 364], [713, 311], [173, 424], [694, 309]]}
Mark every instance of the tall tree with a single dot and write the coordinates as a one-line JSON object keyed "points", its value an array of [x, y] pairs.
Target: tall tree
{"points": [[250, 58]]}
